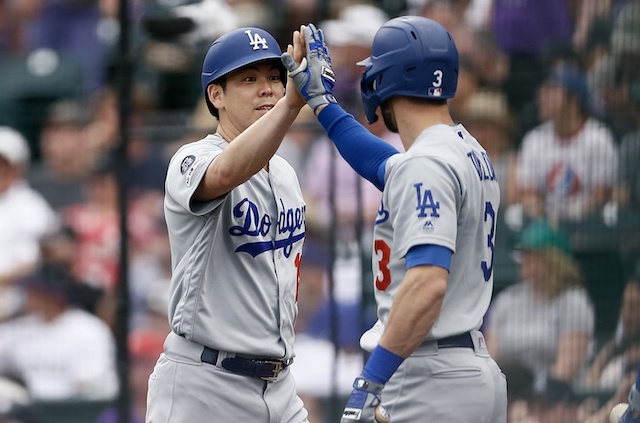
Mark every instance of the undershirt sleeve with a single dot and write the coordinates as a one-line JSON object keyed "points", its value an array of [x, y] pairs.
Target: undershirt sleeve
{"points": [[365, 153], [435, 255]]}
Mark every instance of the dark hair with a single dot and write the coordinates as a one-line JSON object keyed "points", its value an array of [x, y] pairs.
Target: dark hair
{"points": [[53, 278]]}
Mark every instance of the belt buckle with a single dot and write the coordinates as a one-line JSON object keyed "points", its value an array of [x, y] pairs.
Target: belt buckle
{"points": [[277, 367]]}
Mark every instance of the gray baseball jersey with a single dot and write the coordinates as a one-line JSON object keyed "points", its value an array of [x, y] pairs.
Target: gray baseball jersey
{"points": [[442, 191], [235, 259]]}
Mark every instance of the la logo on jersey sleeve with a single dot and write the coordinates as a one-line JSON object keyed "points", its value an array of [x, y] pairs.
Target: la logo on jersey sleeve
{"points": [[426, 205]]}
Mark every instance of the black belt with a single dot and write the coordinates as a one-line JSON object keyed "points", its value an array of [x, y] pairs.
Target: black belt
{"points": [[265, 369], [456, 341]]}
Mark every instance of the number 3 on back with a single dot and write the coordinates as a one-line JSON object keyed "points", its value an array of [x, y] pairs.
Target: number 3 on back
{"points": [[383, 252], [490, 220]]}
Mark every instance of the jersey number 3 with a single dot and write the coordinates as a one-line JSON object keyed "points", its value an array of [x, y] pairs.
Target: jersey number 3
{"points": [[490, 221], [383, 252]]}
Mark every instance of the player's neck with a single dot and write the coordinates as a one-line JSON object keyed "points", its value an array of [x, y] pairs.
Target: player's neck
{"points": [[412, 119], [227, 131]]}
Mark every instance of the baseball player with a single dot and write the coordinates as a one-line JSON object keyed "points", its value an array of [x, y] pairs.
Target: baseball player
{"points": [[236, 221], [434, 234]]}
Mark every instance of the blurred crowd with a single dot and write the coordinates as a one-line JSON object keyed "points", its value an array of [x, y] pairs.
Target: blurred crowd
{"points": [[551, 88]]}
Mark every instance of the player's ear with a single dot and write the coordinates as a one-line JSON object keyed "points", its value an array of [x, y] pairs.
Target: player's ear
{"points": [[215, 95]]}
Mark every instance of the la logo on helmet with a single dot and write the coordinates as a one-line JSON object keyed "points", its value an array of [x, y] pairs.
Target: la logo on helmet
{"points": [[255, 40]]}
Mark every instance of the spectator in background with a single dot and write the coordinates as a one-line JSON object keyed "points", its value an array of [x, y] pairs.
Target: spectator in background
{"points": [[629, 151], [523, 30], [567, 165], [546, 320], [625, 47], [60, 352], [455, 16], [73, 29], [556, 402], [623, 350], [296, 145], [102, 131], [628, 190], [149, 266], [25, 217], [349, 38], [96, 223], [520, 381], [621, 93], [66, 157], [468, 85], [491, 63], [62, 248], [486, 114], [10, 39], [145, 346], [595, 57], [147, 163], [590, 12], [592, 410], [468, 23]]}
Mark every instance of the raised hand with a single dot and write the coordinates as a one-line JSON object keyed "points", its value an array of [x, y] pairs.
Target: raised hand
{"points": [[313, 77], [297, 52]]}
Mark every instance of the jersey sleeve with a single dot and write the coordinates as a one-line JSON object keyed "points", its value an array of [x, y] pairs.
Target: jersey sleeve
{"points": [[185, 172], [423, 195]]}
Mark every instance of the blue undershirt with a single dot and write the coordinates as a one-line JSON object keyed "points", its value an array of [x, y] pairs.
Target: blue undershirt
{"points": [[366, 153], [435, 255]]}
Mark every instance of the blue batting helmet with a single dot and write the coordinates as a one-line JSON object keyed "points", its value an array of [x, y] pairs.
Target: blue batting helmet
{"points": [[236, 49], [411, 56]]}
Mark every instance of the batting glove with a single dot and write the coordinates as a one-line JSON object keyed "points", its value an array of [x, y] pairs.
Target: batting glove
{"points": [[632, 415], [628, 417], [364, 404], [314, 78]]}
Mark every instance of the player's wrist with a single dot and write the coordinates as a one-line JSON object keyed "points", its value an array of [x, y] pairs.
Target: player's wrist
{"points": [[381, 365], [320, 108], [294, 104], [320, 102]]}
